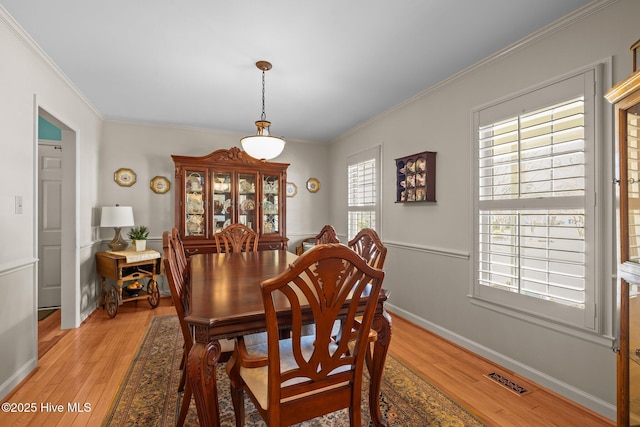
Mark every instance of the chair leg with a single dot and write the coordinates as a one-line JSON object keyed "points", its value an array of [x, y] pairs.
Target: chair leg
{"points": [[184, 407], [355, 416], [183, 376], [237, 393]]}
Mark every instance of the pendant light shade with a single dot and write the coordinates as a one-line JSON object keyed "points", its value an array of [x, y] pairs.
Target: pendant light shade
{"points": [[263, 145]]}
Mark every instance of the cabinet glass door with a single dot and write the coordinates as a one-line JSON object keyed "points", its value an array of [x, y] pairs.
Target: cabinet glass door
{"points": [[632, 139], [222, 201], [194, 203], [270, 203], [247, 200], [633, 183]]}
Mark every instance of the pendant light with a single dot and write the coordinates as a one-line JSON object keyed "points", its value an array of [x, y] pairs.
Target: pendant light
{"points": [[263, 145]]}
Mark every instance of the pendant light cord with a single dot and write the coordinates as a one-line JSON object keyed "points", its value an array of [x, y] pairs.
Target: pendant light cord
{"points": [[263, 117]]}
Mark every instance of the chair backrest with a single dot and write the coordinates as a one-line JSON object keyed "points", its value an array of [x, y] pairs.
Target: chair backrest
{"points": [[177, 286], [327, 283], [236, 238], [178, 248], [327, 235], [368, 245]]}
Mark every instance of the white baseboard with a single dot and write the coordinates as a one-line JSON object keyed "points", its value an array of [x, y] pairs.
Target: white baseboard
{"points": [[595, 404], [15, 379]]}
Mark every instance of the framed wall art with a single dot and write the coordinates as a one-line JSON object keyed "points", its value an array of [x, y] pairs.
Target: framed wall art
{"points": [[313, 185], [416, 178], [124, 177], [291, 189], [160, 185]]}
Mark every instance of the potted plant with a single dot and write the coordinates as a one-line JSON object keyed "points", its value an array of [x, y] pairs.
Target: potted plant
{"points": [[138, 236]]}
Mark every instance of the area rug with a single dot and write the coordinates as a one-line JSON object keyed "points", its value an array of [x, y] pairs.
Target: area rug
{"points": [[148, 395]]}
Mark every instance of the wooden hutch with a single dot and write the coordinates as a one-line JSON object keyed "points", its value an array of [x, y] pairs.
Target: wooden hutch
{"points": [[626, 98], [228, 187]]}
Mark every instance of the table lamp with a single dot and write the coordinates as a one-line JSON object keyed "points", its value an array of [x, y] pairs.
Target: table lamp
{"points": [[117, 217]]}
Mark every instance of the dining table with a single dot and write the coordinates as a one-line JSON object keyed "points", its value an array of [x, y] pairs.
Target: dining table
{"points": [[225, 301]]}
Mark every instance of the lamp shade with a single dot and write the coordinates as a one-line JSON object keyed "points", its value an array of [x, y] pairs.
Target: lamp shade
{"points": [[263, 147], [116, 216]]}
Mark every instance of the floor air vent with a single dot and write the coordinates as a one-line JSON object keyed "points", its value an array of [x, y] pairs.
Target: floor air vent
{"points": [[507, 383]]}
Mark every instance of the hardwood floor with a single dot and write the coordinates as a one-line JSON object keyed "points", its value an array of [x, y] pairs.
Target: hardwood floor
{"points": [[49, 332], [87, 365]]}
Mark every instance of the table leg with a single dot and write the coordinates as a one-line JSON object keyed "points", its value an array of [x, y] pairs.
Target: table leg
{"points": [[375, 364], [201, 369]]}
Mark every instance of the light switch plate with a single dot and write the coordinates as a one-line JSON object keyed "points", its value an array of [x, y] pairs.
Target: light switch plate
{"points": [[18, 204]]}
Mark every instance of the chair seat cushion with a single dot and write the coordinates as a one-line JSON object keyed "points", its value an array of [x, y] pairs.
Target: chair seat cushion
{"points": [[256, 379], [228, 345]]}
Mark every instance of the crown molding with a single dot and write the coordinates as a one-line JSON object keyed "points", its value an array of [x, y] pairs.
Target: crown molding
{"points": [[26, 39]]}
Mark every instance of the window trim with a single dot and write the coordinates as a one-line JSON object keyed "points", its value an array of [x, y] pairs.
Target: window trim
{"points": [[591, 324]]}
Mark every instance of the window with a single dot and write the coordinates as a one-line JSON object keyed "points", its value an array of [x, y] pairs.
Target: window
{"points": [[363, 175], [535, 215]]}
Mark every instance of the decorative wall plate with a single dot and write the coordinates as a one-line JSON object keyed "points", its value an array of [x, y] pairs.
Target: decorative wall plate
{"points": [[291, 189], [124, 177], [313, 185], [160, 185]]}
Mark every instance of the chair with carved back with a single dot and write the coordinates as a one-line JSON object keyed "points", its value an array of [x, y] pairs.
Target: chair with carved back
{"points": [[368, 245], [327, 235], [236, 238], [305, 376], [181, 256], [182, 267], [305, 245], [177, 287]]}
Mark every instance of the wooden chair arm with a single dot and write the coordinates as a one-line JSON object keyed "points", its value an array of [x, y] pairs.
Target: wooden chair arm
{"points": [[247, 361], [373, 335]]}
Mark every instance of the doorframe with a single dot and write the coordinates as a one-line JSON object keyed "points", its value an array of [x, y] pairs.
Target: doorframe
{"points": [[70, 250]]}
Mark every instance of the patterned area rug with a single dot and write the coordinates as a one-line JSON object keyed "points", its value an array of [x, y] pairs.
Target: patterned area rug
{"points": [[148, 395]]}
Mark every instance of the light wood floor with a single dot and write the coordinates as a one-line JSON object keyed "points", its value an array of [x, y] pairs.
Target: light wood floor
{"points": [[87, 365]]}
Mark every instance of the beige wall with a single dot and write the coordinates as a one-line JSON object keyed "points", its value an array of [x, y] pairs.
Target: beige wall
{"points": [[147, 149], [428, 268], [428, 264], [28, 82]]}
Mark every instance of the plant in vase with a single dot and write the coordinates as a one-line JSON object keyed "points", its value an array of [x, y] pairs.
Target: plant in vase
{"points": [[138, 236]]}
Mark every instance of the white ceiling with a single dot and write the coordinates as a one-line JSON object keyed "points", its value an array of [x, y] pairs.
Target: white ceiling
{"points": [[336, 63]]}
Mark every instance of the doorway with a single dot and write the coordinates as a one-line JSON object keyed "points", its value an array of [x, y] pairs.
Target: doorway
{"points": [[49, 225], [55, 228]]}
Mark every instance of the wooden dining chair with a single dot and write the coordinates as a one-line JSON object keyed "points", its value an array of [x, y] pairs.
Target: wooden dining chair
{"points": [[305, 245], [327, 235], [178, 286], [306, 376], [368, 245], [181, 255], [236, 238], [182, 265]]}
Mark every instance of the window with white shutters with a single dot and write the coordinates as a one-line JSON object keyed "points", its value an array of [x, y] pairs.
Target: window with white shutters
{"points": [[363, 189], [535, 201]]}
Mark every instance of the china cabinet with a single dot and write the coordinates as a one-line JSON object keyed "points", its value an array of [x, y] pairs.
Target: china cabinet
{"points": [[626, 97], [228, 187]]}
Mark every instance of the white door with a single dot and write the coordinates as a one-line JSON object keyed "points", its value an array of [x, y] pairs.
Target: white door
{"points": [[50, 225]]}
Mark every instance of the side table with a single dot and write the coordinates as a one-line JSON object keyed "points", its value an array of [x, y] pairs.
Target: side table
{"points": [[125, 266]]}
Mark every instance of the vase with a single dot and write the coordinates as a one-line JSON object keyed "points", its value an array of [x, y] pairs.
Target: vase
{"points": [[140, 245]]}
